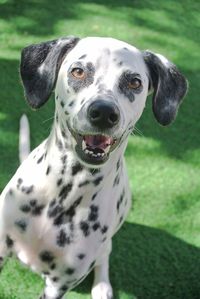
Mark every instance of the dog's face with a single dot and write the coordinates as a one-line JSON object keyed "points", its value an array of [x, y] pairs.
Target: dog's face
{"points": [[101, 91], [101, 86]]}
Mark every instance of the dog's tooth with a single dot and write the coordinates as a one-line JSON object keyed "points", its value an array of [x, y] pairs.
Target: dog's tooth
{"points": [[107, 149], [84, 145], [86, 151]]}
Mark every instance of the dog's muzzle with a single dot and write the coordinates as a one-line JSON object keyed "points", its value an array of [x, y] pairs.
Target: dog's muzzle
{"points": [[94, 144]]}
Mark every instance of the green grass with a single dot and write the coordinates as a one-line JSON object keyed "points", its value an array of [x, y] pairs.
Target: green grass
{"points": [[156, 254]]}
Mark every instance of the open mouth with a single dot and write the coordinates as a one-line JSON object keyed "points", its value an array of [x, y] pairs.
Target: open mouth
{"points": [[94, 149]]}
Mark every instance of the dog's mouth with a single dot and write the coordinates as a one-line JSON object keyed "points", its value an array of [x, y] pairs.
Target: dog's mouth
{"points": [[94, 149]]}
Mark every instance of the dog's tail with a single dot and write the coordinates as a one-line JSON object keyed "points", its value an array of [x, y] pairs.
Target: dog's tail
{"points": [[24, 138]]}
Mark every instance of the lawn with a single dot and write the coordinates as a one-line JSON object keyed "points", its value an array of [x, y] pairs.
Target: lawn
{"points": [[156, 254]]}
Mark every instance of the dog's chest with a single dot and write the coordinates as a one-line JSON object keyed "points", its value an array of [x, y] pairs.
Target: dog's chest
{"points": [[65, 228]]}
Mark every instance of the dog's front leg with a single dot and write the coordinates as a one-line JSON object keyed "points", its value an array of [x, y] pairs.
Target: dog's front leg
{"points": [[102, 288], [53, 290]]}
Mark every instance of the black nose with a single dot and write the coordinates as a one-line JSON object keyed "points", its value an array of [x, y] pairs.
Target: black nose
{"points": [[103, 114]]}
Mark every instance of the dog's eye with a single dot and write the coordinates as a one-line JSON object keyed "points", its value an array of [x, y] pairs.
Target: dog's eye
{"points": [[134, 83], [78, 73]]}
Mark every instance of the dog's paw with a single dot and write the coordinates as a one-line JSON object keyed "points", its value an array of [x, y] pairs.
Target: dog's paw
{"points": [[102, 290]]}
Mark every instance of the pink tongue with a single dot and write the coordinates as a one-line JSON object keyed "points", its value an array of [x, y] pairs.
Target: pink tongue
{"points": [[98, 141]]}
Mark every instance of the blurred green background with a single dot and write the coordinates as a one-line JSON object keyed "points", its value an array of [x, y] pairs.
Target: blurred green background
{"points": [[156, 254]]}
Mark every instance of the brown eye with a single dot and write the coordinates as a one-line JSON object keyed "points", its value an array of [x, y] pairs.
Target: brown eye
{"points": [[78, 73], [134, 83]]}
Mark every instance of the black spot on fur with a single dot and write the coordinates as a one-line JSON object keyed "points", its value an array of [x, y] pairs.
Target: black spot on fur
{"points": [[40, 159], [55, 279], [96, 226], [9, 242], [21, 224], [98, 180], [59, 182], [33, 202], [46, 256], [104, 229], [76, 168], [84, 183], [62, 238], [25, 208], [84, 226], [83, 56], [65, 191], [54, 210], [37, 210], [93, 215], [19, 182], [81, 256], [27, 190], [70, 271], [94, 196], [64, 159], [118, 164], [48, 170], [116, 180], [53, 266], [71, 103], [62, 104]]}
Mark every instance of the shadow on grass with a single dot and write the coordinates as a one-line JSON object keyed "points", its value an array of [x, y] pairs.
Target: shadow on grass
{"points": [[146, 263], [151, 264]]}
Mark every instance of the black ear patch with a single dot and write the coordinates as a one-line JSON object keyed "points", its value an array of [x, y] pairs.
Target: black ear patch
{"points": [[169, 86], [39, 68]]}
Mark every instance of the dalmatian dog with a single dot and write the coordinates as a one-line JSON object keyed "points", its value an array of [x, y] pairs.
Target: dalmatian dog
{"points": [[68, 198]]}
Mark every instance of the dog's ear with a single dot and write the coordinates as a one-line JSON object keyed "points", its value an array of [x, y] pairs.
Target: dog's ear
{"points": [[39, 68], [168, 84]]}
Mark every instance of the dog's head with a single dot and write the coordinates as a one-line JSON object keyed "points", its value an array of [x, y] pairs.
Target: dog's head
{"points": [[101, 86]]}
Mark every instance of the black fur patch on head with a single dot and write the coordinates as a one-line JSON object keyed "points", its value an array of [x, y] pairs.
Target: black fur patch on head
{"points": [[78, 84], [39, 68], [124, 81], [169, 85]]}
